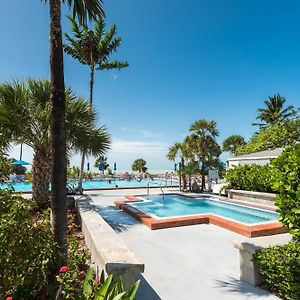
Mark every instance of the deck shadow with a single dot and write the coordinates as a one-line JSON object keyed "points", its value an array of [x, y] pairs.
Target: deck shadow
{"points": [[237, 286], [145, 290], [116, 218]]}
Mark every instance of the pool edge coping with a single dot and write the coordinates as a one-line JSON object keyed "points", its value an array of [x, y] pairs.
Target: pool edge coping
{"points": [[249, 231]]}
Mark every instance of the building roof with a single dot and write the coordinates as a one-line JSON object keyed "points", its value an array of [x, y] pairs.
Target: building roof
{"points": [[259, 155]]}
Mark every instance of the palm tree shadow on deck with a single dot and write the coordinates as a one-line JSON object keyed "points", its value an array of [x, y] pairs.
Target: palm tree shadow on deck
{"points": [[145, 290], [117, 219], [237, 286]]}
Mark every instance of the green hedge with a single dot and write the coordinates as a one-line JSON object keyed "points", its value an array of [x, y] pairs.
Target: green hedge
{"points": [[280, 267], [27, 248], [250, 178], [286, 180]]}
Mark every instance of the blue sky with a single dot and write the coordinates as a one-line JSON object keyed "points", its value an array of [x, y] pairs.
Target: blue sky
{"points": [[210, 59]]}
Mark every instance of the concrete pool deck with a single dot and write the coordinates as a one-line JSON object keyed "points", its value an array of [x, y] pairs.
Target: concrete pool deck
{"points": [[192, 262]]}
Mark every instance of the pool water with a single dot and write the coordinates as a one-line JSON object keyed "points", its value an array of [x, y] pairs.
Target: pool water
{"points": [[95, 184], [175, 205]]}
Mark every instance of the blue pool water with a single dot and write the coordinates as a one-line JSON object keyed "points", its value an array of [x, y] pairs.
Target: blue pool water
{"points": [[175, 205], [94, 184]]}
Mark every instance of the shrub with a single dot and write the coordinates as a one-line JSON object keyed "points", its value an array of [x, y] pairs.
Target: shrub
{"points": [[250, 178], [93, 288], [75, 283], [286, 180], [280, 267], [27, 249]]}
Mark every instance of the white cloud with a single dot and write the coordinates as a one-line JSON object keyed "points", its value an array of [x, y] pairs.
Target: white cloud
{"points": [[113, 76], [123, 152], [122, 146], [142, 133]]}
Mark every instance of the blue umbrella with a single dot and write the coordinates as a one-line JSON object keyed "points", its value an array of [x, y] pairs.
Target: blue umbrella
{"points": [[115, 166], [21, 163], [88, 166], [175, 167], [100, 166]]}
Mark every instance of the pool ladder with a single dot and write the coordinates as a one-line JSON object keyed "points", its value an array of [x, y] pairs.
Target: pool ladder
{"points": [[163, 194], [148, 190]]}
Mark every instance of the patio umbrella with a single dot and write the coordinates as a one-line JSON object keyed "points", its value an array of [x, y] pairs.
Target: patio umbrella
{"points": [[88, 166], [100, 165], [21, 163], [115, 166], [175, 167]]}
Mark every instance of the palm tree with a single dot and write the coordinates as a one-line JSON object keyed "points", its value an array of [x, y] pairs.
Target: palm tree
{"points": [[83, 10], [25, 113], [93, 47], [204, 143], [139, 165], [180, 150], [275, 111], [232, 143], [103, 160]]}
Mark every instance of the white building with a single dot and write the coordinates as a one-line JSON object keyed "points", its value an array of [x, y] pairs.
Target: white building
{"points": [[259, 158]]}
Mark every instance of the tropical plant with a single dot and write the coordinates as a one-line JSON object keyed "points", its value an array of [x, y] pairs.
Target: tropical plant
{"points": [[93, 288], [83, 10], [139, 165], [279, 135], [274, 112], [179, 150], [27, 248], [232, 143], [93, 47], [204, 145], [5, 167], [72, 172], [280, 267], [25, 116], [103, 160], [286, 181]]}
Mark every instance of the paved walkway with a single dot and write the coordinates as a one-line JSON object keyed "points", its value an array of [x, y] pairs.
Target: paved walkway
{"points": [[192, 262]]}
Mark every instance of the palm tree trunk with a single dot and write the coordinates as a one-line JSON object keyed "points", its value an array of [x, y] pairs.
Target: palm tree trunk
{"points": [[202, 177], [190, 183], [83, 153], [91, 85], [80, 188], [58, 132], [183, 175], [41, 173], [179, 178]]}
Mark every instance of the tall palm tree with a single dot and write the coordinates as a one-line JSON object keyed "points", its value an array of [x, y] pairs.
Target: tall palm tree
{"points": [[232, 143], [179, 150], [139, 165], [205, 147], [192, 166], [83, 10], [274, 111], [25, 113], [93, 47]]}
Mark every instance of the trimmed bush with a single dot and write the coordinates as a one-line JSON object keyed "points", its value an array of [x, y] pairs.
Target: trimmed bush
{"points": [[252, 177], [286, 180], [27, 249], [280, 267]]}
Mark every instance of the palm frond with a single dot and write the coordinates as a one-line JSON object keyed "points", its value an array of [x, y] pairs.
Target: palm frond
{"points": [[85, 9], [113, 65]]}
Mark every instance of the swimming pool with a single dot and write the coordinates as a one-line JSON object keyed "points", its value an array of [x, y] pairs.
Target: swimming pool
{"points": [[177, 205], [97, 184], [174, 210]]}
